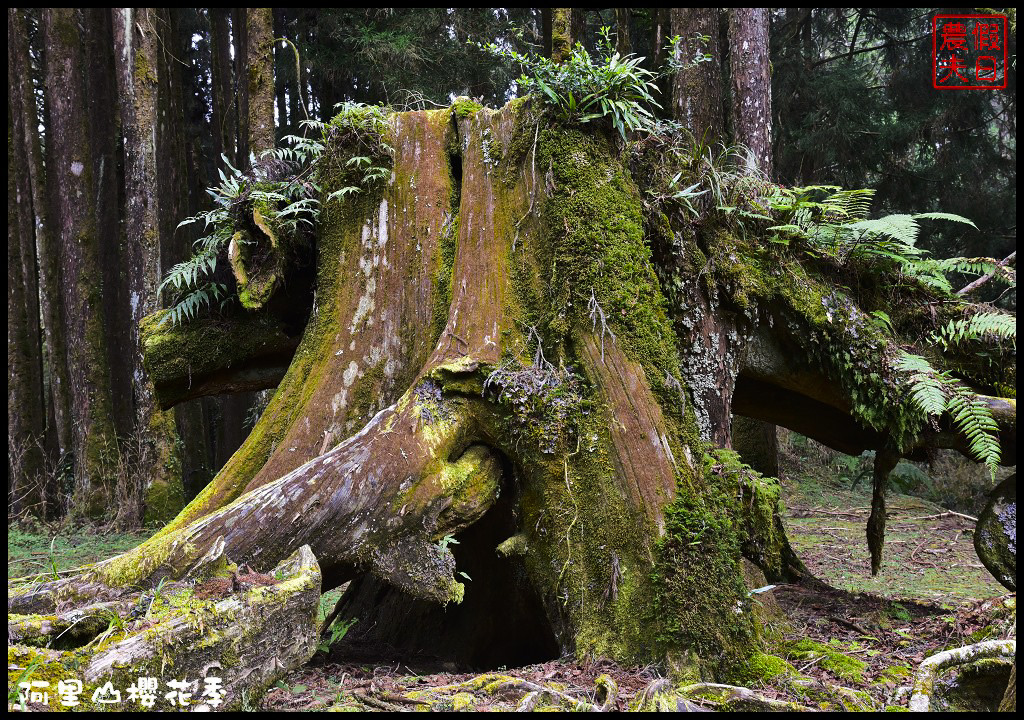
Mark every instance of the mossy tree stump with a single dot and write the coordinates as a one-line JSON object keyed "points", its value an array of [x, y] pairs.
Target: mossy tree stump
{"points": [[515, 375]]}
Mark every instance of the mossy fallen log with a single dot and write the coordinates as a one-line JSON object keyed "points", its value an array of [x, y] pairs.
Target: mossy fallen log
{"points": [[225, 637]]}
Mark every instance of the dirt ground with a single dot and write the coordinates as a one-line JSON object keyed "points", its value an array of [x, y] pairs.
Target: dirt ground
{"points": [[854, 643], [851, 642]]}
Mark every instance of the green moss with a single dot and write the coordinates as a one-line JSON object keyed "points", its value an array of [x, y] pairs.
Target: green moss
{"points": [[701, 601], [365, 393], [165, 496], [447, 244], [762, 668], [517, 545], [895, 674], [464, 107], [843, 666]]}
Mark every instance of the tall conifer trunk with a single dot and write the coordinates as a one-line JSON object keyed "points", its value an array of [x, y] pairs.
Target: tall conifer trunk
{"points": [[59, 422], [71, 166], [157, 493]]}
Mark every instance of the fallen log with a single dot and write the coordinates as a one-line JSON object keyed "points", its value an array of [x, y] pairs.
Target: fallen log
{"points": [[217, 642]]}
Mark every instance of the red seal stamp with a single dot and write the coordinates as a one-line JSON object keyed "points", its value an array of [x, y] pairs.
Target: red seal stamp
{"points": [[969, 51]]}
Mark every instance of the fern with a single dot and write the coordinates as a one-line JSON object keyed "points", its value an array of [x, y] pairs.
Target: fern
{"points": [[583, 88], [282, 179], [935, 393], [984, 325], [980, 266]]}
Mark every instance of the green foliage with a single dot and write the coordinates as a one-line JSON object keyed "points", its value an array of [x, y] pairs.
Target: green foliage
{"points": [[712, 184], [585, 88], [934, 393], [852, 111], [284, 183], [833, 221], [447, 540], [338, 630], [984, 325]]}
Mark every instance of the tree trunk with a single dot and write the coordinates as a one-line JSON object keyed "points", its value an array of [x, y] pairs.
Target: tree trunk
{"points": [[697, 91], [157, 493], [283, 57], [259, 76], [495, 407], [58, 388], [71, 165], [104, 124], [623, 31], [751, 83], [225, 126], [26, 412]]}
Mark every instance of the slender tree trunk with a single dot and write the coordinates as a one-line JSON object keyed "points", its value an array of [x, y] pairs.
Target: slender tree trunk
{"points": [[546, 30], [58, 387], [26, 412], [259, 77], [697, 90], [239, 37], [223, 91], [657, 52], [623, 31], [158, 493], [561, 34], [578, 25], [751, 83], [104, 140], [71, 167], [755, 440], [175, 183], [282, 57], [757, 443]]}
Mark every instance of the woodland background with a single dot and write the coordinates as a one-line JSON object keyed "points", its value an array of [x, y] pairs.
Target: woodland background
{"points": [[852, 104]]}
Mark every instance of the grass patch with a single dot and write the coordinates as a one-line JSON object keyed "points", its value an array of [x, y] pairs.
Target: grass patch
{"points": [[34, 550]]}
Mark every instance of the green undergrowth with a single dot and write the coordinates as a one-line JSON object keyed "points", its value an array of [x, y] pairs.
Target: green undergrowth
{"points": [[927, 556], [33, 551]]}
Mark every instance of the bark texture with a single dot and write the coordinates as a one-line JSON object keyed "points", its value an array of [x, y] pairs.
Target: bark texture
{"points": [[23, 104], [697, 91], [751, 83], [260, 78], [225, 123], [26, 413], [71, 167], [159, 493], [246, 629]]}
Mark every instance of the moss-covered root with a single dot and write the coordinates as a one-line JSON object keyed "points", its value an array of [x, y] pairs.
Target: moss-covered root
{"points": [[379, 502], [528, 696], [885, 461], [928, 673], [662, 696], [264, 628]]}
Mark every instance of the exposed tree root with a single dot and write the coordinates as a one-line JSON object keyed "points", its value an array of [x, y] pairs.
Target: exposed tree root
{"points": [[927, 674], [241, 627]]}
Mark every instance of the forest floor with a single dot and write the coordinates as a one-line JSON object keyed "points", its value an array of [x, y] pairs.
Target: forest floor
{"points": [[854, 645]]}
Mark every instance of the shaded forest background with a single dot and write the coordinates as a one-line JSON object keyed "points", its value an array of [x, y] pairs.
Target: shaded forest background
{"points": [[853, 105]]}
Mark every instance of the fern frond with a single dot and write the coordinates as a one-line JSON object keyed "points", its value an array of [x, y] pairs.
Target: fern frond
{"points": [[973, 418], [945, 216], [978, 327], [927, 386], [936, 393], [900, 227]]}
